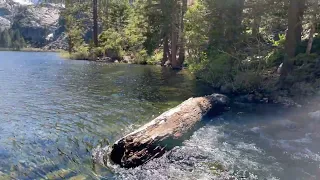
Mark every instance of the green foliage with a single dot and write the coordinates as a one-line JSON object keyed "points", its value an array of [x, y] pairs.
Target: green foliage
{"points": [[315, 46], [115, 14], [112, 42], [196, 31], [247, 81], [11, 39], [275, 57], [80, 53], [280, 41], [216, 69], [155, 58], [97, 52], [304, 59], [141, 57], [135, 31], [74, 16]]}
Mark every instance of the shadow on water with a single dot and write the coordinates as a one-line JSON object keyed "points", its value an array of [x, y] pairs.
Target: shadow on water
{"points": [[54, 111]]}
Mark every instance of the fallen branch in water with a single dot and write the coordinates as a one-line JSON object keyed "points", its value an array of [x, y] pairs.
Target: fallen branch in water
{"points": [[164, 132]]}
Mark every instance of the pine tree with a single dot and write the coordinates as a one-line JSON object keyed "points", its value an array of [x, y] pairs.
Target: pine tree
{"points": [[7, 41]]}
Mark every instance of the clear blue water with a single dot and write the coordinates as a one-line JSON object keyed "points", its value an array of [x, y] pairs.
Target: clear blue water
{"points": [[53, 112]]}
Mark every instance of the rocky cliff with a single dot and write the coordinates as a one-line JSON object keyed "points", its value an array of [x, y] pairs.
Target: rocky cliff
{"points": [[38, 24]]}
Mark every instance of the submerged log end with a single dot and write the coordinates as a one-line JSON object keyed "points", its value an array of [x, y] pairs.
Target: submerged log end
{"points": [[161, 134]]}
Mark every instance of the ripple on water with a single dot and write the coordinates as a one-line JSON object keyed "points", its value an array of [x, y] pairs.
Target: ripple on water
{"points": [[54, 112]]}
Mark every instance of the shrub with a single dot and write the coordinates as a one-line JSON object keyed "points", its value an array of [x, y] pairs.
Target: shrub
{"points": [[216, 70], [155, 58], [81, 53], [302, 59], [275, 58], [247, 81], [97, 52], [112, 42], [141, 57]]}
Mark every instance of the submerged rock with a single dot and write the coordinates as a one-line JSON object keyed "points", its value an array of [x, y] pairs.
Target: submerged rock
{"points": [[315, 115], [286, 101]]}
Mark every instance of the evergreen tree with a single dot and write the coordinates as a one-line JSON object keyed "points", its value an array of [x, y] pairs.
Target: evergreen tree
{"points": [[7, 39]]}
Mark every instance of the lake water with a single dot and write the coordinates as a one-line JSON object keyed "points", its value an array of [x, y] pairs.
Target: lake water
{"points": [[53, 112]]}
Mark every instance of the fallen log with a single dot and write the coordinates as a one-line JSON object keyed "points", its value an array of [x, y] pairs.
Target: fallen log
{"points": [[161, 134]]}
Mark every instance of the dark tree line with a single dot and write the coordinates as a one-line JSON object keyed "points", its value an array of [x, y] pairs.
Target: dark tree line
{"points": [[220, 40], [11, 39]]}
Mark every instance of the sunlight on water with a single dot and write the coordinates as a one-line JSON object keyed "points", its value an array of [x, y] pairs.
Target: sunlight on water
{"points": [[53, 112]]}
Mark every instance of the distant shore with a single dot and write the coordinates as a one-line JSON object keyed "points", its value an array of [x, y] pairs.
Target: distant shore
{"points": [[29, 50]]}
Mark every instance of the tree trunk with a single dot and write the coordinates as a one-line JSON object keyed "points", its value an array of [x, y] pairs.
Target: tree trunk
{"points": [[311, 34], [182, 49], [165, 32], [165, 50], [312, 25], [163, 133], [70, 47], [106, 15], [174, 39], [256, 22], [293, 36], [234, 17], [95, 22]]}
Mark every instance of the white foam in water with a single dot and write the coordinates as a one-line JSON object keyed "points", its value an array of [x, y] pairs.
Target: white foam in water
{"points": [[247, 149], [23, 2]]}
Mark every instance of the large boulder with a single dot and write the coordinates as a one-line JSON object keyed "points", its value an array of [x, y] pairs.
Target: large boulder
{"points": [[61, 42], [8, 8], [4, 23], [35, 23], [38, 24], [7, 11], [315, 115]]}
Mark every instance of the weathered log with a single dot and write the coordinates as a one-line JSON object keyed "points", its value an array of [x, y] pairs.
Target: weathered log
{"points": [[161, 134]]}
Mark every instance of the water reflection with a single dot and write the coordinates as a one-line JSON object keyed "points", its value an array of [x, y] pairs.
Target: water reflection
{"points": [[54, 111]]}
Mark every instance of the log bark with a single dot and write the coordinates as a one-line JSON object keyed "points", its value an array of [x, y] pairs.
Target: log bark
{"points": [[164, 132]]}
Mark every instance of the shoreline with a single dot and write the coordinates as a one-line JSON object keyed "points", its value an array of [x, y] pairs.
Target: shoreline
{"points": [[29, 50], [257, 96]]}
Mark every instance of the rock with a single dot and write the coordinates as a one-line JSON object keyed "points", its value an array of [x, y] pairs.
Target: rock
{"points": [[248, 98], [116, 61], [98, 153], [167, 64], [8, 8], [4, 23], [105, 59], [279, 70], [226, 89], [79, 177], [4, 176], [35, 23], [252, 98], [315, 115], [60, 43], [126, 59], [286, 101], [114, 55]]}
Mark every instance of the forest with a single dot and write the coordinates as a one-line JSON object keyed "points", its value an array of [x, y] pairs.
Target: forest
{"points": [[11, 39], [236, 46]]}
